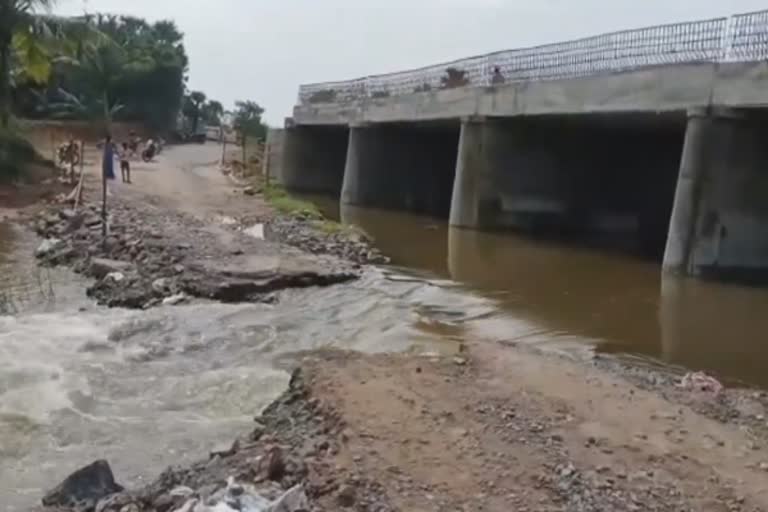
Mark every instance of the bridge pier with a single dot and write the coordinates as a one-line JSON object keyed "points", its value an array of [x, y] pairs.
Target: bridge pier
{"points": [[313, 158], [719, 224], [473, 201], [402, 167]]}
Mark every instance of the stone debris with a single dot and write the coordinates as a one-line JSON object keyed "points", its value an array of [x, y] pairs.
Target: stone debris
{"points": [[156, 257], [700, 381], [84, 488], [47, 246]]}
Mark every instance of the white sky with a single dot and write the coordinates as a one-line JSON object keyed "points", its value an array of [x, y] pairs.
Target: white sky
{"points": [[263, 49]]}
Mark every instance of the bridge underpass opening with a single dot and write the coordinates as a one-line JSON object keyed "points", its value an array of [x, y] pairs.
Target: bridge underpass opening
{"points": [[409, 167], [605, 180], [314, 159]]}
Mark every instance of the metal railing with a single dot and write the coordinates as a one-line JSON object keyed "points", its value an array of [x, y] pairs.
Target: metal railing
{"points": [[740, 38]]}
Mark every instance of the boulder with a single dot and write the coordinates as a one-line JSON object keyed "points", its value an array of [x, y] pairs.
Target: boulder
{"points": [[84, 488], [47, 247], [102, 267]]}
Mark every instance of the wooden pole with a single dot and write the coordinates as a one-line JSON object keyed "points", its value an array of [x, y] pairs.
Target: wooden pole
{"points": [[79, 187], [104, 194], [265, 169], [245, 162]]}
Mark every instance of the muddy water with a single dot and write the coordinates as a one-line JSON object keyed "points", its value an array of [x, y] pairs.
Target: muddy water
{"points": [[149, 389], [561, 295]]}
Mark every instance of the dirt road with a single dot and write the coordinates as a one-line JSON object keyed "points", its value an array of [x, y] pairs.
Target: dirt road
{"points": [[187, 178]]}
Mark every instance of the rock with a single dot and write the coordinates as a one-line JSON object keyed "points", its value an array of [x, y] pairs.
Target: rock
{"points": [[275, 465], [174, 300], [47, 246], [459, 361], [84, 488], [250, 191], [67, 213], [346, 496], [225, 449], [294, 500], [92, 221], [101, 267], [115, 503], [161, 285], [116, 276]]}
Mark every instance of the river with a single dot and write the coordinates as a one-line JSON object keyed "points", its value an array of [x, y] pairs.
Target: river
{"points": [[149, 389], [611, 301]]}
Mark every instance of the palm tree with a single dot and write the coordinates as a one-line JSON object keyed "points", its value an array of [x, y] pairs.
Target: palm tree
{"points": [[193, 107], [212, 112], [19, 28]]}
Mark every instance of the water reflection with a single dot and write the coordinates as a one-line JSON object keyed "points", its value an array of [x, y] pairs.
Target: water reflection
{"points": [[614, 302]]}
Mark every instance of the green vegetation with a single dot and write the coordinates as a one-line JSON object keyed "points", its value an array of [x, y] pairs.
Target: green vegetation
{"points": [[25, 45], [248, 120], [15, 154], [106, 61], [283, 202]]}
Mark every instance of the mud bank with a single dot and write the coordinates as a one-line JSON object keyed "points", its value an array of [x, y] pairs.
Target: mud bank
{"points": [[153, 255]]}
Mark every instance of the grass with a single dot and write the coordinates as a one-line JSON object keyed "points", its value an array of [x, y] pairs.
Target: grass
{"points": [[283, 202]]}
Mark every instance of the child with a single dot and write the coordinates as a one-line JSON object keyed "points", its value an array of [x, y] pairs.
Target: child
{"points": [[125, 164]]}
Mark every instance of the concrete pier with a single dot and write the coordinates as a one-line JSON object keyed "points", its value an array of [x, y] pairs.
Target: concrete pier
{"points": [[719, 225]]}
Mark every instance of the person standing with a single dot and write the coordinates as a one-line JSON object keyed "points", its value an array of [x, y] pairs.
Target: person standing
{"points": [[125, 163]]}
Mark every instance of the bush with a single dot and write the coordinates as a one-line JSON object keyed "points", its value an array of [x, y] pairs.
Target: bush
{"points": [[15, 154]]}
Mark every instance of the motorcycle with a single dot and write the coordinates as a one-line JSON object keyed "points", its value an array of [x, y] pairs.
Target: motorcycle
{"points": [[149, 152]]}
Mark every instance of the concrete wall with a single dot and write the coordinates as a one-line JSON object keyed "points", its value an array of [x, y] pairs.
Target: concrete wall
{"points": [[274, 157], [651, 90], [313, 158], [405, 167]]}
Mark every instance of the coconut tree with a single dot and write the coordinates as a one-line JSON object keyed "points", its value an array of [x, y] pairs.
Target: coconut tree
{"points": [[21, 35]]}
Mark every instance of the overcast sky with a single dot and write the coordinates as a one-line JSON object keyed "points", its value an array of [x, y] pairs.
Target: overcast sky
{"points": [[263, 49]]}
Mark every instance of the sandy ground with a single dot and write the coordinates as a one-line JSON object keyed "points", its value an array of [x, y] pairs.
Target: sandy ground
{"points": [[509, 430], [500, 428]]}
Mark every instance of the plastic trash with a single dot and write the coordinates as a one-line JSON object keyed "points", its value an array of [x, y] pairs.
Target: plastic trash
{"points": [[244, 498], [700, 381]]}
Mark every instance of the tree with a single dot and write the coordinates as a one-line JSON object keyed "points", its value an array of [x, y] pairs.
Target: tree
{"points": [[151, 93], [100, 66], [18, 25], [248, 120], [212, 112], [192, 109]]}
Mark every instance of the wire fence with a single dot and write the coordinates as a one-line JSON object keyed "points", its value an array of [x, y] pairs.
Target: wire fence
{"points": [[740, 38]]}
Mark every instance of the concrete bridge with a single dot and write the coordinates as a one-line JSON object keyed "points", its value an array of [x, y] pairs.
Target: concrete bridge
{"points": [[656, 136]]}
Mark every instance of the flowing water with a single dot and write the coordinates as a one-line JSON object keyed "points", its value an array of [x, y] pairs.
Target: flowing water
{"points": [[149, 389]]}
